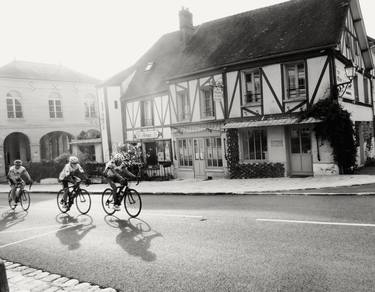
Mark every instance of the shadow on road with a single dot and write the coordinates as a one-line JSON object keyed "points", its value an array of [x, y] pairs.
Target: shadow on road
{"points": [[10, 218], [134, 237], [73, 229]]}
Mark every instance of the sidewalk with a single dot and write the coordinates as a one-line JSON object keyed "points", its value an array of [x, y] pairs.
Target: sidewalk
{"points": [[226, 186]]}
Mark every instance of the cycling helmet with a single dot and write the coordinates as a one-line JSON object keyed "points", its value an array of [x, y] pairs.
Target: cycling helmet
{"points": [[17, 162], [73, 159]]}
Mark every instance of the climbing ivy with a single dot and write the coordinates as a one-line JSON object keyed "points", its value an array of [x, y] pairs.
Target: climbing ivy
{"points": [[338, 129], [232, 154]]}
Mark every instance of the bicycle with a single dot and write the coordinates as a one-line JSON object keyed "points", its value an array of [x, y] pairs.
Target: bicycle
{"points": [[130, 197], [22, 196], [75, 193]]}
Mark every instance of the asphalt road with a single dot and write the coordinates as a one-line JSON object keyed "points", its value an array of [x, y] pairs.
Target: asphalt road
{"points": [[202, 243]]}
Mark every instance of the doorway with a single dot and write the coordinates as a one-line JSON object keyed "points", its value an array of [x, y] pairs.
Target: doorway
{"points": [[199, 159], [300, 151]]}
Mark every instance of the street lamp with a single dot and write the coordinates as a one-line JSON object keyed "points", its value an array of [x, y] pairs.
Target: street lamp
{"points": [[350, 72]]}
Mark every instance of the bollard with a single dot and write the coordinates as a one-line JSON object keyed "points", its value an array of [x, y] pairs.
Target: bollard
{"points": [[3, 278]]}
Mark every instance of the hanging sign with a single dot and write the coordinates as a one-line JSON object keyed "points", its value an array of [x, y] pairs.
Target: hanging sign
{"points": [[146, 134]]}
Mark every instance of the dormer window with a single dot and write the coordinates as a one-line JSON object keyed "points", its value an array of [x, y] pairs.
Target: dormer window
{"points": [[149, 66]]}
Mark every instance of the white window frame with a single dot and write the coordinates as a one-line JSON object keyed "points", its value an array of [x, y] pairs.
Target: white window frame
{"points": [[54, 114], [14, 113], [213, 148], [301, 92], [245, 135], [206, 100], [183, 108], [258, 97], [90, 108]]}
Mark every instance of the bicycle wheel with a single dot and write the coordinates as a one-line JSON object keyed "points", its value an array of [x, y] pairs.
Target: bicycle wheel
{"points": [[132, 203], [83, 201], [107, 201], [10, 201], [60, 202], [25, 200]]}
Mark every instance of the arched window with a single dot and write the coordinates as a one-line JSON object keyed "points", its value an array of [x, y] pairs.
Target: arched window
{"points": [[54, 104], [14, 107], [90, 106]]}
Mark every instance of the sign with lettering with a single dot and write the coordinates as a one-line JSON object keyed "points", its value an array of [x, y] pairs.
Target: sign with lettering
{"points": [[147, 134], [218, 94]]}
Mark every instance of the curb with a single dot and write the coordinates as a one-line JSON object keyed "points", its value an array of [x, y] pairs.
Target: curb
{"points": [[24, 278]]}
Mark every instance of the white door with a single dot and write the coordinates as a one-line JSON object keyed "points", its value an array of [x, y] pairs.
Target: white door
{"points": [[300, 151], [199, 161]]}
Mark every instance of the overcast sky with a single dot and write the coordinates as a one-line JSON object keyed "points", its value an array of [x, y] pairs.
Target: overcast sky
{"points": [[103, 37]]}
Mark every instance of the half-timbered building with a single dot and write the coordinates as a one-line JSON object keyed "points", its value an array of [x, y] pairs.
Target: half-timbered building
{"points": [[245, 78]]}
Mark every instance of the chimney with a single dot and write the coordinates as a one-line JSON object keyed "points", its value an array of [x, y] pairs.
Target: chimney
{"points": [[186, 24]]}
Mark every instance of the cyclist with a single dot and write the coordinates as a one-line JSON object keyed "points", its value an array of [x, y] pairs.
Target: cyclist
{"points": [[112, 171], [15, 174], [70, 174]]}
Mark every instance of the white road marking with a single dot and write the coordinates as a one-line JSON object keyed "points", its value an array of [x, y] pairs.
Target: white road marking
{"points": [[27, 229], [173, 215], [36, 236], [317, 222]]}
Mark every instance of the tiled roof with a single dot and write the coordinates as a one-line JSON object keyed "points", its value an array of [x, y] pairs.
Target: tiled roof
{"points": [[39, 71], [286, 28]]}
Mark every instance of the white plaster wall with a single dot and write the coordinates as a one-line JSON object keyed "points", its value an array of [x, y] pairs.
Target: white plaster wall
{"points": [[194, 106], [315, 67], [276, 144], [273, 73], [358, 112], [236, 106], [115, 118], [158, 110], [172, 92]]}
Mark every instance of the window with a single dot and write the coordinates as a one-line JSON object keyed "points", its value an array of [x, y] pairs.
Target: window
{"points": [[163, 149], [183, 106], [254, 144], [295, 80], [54, 104], [116, 104], [252, 93], [355, 85], [185, 152], [214, 152], [90, 107], [207, 102], [14, 107], [365, 89], [147, 117]]}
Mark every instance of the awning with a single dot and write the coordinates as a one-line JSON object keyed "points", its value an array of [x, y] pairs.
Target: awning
{"points": [[270, 123]]}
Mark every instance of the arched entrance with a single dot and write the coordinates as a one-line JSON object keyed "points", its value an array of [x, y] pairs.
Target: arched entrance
{"points": [[54, 144], [16, 146]]}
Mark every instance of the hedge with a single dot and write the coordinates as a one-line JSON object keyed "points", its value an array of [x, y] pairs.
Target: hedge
{"points": [[258, 170]]}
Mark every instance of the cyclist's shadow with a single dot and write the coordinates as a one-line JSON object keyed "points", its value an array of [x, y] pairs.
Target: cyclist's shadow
{"points": [[133, 237], [10, 218], [73, 229]]}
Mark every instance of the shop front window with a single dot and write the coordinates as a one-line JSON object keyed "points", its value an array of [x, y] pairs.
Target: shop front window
{"points": [[254, 144], [151, 157], [214, 152], [163, 149], [185, 152]]}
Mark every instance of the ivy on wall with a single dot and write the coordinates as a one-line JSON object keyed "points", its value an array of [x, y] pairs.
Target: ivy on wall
{"points": [[338, 129], [232, 154]]}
